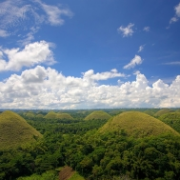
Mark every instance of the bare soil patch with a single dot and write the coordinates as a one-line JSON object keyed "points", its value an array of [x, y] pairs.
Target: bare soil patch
{"points": [[66, 173]]}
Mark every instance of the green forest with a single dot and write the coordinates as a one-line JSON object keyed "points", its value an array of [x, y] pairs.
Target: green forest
{"points": [[110, 144]]}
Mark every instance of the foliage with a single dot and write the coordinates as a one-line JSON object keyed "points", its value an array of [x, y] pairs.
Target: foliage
{"points": [[172, 119], [111, 155]]}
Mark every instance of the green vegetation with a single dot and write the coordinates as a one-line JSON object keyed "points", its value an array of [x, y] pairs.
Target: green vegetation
{"points": [[96, 149], [39, 115], [98, 115], [76, 176], [49, 175], [151, 112], [161, 112], [172, 119], [29, 114], [15, 131], [136, 124], [59, 116]]}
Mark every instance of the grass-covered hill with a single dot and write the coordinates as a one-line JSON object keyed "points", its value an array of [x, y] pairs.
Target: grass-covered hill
{"points": [[99, 115], [151, 112], [15, 131], [162, 111], [63, 116], [137, 124], [39, 115], [50, 115], [172, 119], [59, 116]]}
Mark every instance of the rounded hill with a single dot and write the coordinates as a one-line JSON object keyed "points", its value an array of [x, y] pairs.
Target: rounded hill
{"points": [[50, 115], [99, 115], [136, 124], [62, 116], [58, 116], [15, 131], [162, 111]]}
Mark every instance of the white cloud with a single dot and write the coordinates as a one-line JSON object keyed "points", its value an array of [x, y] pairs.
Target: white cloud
{"points": [[135, 61], [141, 48], [177, 10], [147, 28], [126, 31], [29, 37], [101, 76], [13, 12], [177, 14], [47, 88], [22, 14], [173, 19], [36, 75], [3, 33], [32, 54], [54, 13], [173, 63]]}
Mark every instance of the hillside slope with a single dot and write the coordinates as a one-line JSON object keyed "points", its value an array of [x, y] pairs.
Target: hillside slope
{"points": [[136, 124], [63, 116], [101, 115], [15, 131]]}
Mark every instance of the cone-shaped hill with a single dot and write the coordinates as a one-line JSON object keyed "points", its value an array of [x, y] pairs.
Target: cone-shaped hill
{"points": [[62, 116], [50, 115], [162, 111], [39, 115], [101, 115], [15, 131], [29, 114], [136, 124]]}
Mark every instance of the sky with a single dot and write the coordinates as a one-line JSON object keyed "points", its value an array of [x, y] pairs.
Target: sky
{"points": [[89, 54]]}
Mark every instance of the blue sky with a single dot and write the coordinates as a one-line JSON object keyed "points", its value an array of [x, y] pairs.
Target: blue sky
{"points": [[89, 54]]}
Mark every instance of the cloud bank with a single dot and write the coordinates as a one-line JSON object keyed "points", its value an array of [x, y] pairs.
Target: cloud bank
{"points": [[47, 88]]}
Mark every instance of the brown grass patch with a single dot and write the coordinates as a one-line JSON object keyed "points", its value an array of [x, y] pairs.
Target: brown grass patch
{"points": [[66, 173]]}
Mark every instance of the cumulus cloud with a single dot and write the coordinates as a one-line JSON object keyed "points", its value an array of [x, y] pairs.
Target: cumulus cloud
{"points": [[32, 54], [47, 88], [102, 76], [147, 28], [177, 14], [126, 31], [141, 48], [135, 61]]}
